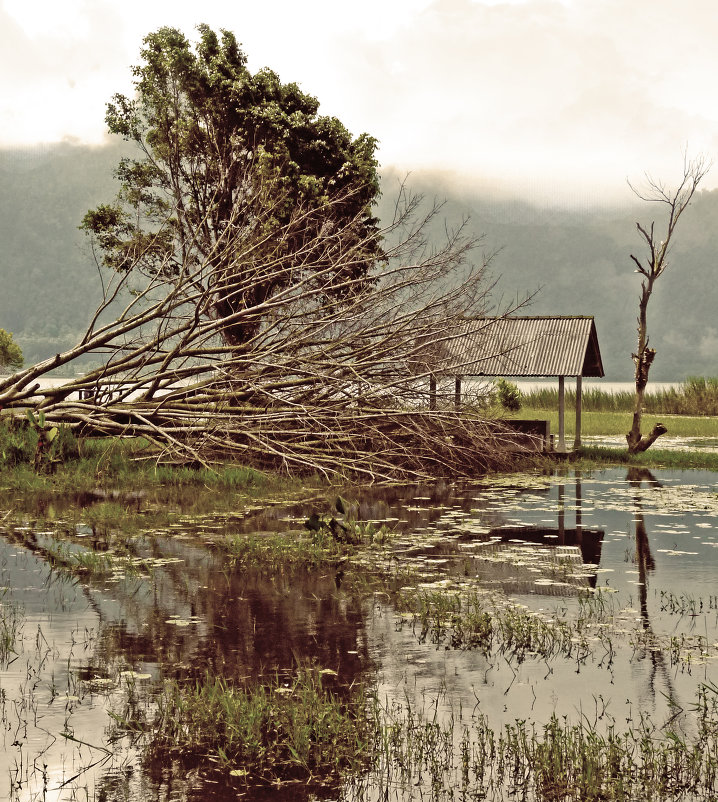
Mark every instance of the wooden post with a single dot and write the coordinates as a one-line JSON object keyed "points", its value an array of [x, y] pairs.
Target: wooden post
{"points": [[457, 393], [561, 517], [579, 515], [577, 439], [561, 414], [432, 392]]}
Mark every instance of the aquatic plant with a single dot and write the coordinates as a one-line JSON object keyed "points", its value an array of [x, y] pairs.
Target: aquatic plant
{"points": [[423, 753], [282, 550], [11, 620], [281, 729], [477, 619]]}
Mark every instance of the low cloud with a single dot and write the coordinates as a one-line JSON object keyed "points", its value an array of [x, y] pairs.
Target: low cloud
{"points": [[560, 101]]}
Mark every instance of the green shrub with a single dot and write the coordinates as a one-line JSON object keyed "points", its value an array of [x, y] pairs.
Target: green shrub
{"points": [[508, 395], [20, 444]]}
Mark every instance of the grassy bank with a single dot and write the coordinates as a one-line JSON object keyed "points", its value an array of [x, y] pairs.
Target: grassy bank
{"points": [[607, 424], [120, 468], [596, 457], [113, 463]]}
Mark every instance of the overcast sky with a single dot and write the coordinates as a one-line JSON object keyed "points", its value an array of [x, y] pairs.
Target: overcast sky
{"points": [[554, 99]]}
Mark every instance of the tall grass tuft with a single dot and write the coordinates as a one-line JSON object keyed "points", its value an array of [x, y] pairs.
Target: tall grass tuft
{"points": [[274, 731]]}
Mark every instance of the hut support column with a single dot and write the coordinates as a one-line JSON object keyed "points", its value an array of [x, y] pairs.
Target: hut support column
{"points": [[457, 393], [432, 392], [561, 517], [561, 415], [577, 440]]}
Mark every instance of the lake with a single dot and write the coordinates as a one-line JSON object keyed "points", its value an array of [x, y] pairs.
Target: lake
{"points": [[600, 589]]}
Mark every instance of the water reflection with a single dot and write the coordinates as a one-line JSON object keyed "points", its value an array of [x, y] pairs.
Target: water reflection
{"points": [[543, 540], [660, 671], [644, 558], [186, 616]]}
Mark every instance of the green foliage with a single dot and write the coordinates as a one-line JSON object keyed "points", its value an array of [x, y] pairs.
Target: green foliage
{"points": [[508, 395], [18, 443], [10, 351], [228, 160]]}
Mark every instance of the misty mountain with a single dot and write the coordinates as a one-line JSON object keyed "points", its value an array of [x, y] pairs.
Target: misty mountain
{"points": [[569, 261], [577, 262]]}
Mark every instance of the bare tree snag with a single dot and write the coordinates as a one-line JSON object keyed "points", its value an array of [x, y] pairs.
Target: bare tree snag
{"points": [[651, 267]]}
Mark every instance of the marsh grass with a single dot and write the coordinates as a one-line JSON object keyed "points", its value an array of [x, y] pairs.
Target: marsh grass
{"points": [[283, 551], [62, 557], [425, 753], [279, 730], [327, 540], [11, 621]]}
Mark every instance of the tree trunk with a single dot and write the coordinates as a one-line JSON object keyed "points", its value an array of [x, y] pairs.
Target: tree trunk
{"points": [[643, 359], [651, 268], [636, 446]]}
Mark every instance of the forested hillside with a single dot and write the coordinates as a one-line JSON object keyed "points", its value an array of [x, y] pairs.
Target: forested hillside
{"points": [[573, 262], [49, 280]]}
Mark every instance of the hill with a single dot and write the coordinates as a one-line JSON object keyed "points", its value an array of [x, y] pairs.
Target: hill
{"points": [[569, 261]]}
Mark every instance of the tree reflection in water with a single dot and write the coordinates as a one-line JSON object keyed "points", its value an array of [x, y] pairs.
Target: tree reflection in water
{"points": [[646, 564]]}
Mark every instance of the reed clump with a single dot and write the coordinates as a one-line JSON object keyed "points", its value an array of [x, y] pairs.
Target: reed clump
{"points": [[695, 396], [486, 621]]}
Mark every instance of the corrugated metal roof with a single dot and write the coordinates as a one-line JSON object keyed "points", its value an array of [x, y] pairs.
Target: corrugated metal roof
{"points": [[524, 346]]}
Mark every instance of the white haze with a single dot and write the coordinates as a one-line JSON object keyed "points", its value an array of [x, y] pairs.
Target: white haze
{"points": [[554, 101]]}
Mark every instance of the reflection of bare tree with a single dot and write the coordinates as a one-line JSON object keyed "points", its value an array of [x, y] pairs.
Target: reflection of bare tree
{"points": [[646, 565], [644, 557]]}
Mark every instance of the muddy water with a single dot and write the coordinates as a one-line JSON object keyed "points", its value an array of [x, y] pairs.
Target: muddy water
{"points": [[645, 544]]}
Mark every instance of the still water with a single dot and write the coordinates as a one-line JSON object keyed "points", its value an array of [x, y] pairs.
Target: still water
{"points": [[87, 651]]}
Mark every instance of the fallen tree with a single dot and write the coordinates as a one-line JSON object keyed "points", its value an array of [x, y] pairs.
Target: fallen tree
{"points": [[334, 376], [253, 308]]}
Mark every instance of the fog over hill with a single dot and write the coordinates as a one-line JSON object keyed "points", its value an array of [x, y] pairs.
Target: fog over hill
{"points": [[571, 261]]}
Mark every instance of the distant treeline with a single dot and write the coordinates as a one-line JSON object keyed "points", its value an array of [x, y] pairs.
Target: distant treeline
{"points": [[696, 396]]}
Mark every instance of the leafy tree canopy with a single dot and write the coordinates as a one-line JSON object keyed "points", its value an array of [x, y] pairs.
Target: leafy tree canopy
{"points": [[10, 352], [227, 158]]}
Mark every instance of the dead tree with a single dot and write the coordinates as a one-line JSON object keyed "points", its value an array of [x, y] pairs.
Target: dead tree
{"points": [[326, 382], [651, 267]]}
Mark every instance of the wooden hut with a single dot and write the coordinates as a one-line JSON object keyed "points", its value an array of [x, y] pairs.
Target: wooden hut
{"points": [[525, 347]]}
